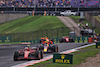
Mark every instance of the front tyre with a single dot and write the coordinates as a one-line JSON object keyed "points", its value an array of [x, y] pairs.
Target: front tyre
{"points": [[16, 55]]}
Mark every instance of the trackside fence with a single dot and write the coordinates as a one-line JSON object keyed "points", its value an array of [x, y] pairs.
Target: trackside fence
{"points": [[27, 36], [35, 36]]}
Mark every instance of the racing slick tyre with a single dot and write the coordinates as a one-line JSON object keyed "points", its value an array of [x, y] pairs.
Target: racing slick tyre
{"points": [[55, 48], [16, 55], [41, 47], [40, 41], [60, 40], [71, 40], [38, 55], [52, 40], [41, 54], [64, 40]]}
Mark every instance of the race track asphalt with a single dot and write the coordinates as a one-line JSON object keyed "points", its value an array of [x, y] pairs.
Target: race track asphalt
{"points": [[7, 51]]}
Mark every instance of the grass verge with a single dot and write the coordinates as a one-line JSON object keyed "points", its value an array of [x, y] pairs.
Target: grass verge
{"points": [[78, 57], [30, 24], [10, 43]]}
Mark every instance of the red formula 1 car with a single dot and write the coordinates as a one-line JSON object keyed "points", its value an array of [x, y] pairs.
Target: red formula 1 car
{"points": [[28, 53], [66, 39], [47, 48]]}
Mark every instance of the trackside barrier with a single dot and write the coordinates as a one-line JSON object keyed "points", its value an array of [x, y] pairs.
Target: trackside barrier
{"points": [[97, 44], [35, 41], [26, 42], [5, 39], [56, 40], [63, 58], [81, 39]]}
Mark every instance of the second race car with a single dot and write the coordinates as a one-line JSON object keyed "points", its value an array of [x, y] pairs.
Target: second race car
{"points": [[48, 48], [66, 39], [47, 45]]}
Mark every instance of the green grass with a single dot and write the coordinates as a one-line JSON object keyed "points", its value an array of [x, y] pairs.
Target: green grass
{"points": [[31, 23], [78, 57], [10, 43]]}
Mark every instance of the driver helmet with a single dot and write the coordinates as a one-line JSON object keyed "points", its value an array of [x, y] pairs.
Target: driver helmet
{"points": [[27, 48]]}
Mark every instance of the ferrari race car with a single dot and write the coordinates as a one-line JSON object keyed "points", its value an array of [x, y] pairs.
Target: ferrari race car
{"points": [[28, 53], [47, 48], [66, 39]]}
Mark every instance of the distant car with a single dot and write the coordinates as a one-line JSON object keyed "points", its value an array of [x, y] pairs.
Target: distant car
{"points": [[44, 40], [48, 48], [68, 13], [87, 32], [66, 39], [28, 53]]}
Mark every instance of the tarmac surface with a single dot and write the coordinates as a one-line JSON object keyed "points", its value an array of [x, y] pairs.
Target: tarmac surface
{"points": [[7, 52], [71, 24]]}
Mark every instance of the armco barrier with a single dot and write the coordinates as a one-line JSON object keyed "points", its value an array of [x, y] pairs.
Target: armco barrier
{"points": [[56, 40], [5, 39], [81, 39], [35, 41]]}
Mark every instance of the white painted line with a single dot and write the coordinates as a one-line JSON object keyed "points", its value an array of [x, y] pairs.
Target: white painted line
{"points": [[49, 57], [68, 51], [85, 46]]}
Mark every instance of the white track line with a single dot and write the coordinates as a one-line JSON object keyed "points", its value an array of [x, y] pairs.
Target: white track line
{"points": [[50, 56], [85, 46]]}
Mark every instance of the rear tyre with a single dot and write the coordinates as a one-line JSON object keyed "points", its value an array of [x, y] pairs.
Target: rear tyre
{"points": [[41, 54], [38, 55], [41, 47], [16, 55], [40, 41], [64, 40], [55, 48]]}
